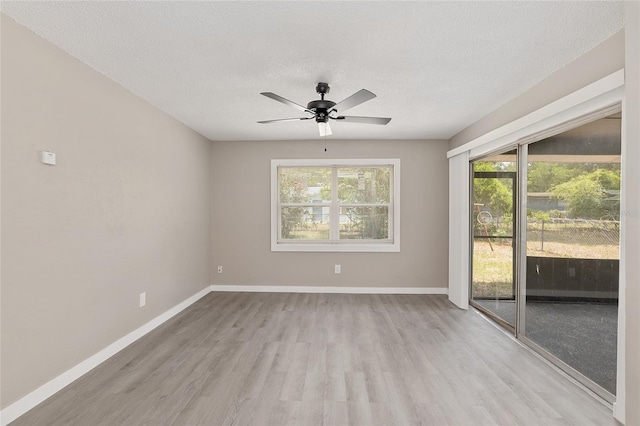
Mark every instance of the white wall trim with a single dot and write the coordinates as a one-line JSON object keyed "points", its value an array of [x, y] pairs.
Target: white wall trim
{"points": [[618, 411], [322, 289], [459, 233], [589, 98], [28, 402], [619, 407]]}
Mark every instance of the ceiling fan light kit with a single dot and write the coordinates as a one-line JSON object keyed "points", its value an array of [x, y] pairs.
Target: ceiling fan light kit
{"points": [[323, 110]]}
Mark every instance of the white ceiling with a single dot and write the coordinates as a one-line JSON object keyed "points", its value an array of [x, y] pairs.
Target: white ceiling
{"points": [[436, 67]]}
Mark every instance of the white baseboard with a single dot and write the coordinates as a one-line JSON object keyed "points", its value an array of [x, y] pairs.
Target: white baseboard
{"points": [[26, 403], [618, 412], [322, 289]]}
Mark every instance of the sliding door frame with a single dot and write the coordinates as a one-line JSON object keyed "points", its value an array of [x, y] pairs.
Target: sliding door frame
{"points": [[513, 328], [521, 241], [520, 244]]}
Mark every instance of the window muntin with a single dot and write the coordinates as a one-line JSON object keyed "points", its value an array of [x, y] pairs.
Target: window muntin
{"points": [[337, 205]]}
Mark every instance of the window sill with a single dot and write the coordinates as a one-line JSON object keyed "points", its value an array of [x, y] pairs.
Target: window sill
{"points": [[386, 247]]}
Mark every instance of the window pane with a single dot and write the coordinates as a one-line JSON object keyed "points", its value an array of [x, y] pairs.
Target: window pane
{"points": [[364, 223], [359, 185], [305, 184], [492, 209], [572, 253], [305, 223]]}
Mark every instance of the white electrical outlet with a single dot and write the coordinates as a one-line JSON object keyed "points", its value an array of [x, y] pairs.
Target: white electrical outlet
{"points": [[337, 269], [219, 269], [143, 298]]}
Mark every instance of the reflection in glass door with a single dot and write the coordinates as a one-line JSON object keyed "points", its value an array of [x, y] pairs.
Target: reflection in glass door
{"points": [[493, 201]]}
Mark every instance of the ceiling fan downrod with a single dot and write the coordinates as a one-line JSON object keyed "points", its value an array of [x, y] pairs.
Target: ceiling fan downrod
{"points": [[321, 106]]}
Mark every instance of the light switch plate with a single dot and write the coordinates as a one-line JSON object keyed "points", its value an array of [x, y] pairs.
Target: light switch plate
{"points": [[47, 157]]}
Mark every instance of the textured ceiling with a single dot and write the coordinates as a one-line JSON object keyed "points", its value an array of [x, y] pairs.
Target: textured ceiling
{"points": [[436, 67]]}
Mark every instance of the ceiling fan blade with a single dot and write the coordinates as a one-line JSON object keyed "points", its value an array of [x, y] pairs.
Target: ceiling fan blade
{"points": [[284, 119], [364, 120], [357, 98], [325, 129], [284, 101]]}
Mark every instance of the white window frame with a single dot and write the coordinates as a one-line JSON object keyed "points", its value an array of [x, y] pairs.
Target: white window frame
{"points": [[391, 245]]}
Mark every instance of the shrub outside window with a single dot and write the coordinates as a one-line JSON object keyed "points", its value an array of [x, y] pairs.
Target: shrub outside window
{"points": [[335, 205]]}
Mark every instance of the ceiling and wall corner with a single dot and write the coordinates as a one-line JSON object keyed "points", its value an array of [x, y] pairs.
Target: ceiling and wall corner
{"points": [[601, 61], [437, 67]]}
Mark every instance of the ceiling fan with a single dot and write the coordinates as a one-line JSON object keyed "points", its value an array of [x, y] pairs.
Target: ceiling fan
{"points": [[323, 110]]}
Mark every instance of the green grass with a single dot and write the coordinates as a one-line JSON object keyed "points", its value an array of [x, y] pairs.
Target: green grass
{"points": [[492, 271], [316, 231]]}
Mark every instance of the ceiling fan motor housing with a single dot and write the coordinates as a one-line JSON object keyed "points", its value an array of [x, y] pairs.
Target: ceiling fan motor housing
{"points": [[321, 109], [321, 106]]}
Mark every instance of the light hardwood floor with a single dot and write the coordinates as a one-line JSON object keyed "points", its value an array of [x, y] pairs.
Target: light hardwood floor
{"points": [[322, 359]]}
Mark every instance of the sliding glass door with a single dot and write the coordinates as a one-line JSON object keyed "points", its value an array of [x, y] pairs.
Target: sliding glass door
{"points": [[544, 220]]}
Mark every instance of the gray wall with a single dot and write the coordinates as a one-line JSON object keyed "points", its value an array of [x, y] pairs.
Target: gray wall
{"points": [[241, 230], [599, 62], [126, 210]]}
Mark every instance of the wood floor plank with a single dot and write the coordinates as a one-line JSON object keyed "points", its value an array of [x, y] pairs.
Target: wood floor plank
{"points": [[335, 413], [256, 378], [322, 359], [357, 387], [293, 388]]}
